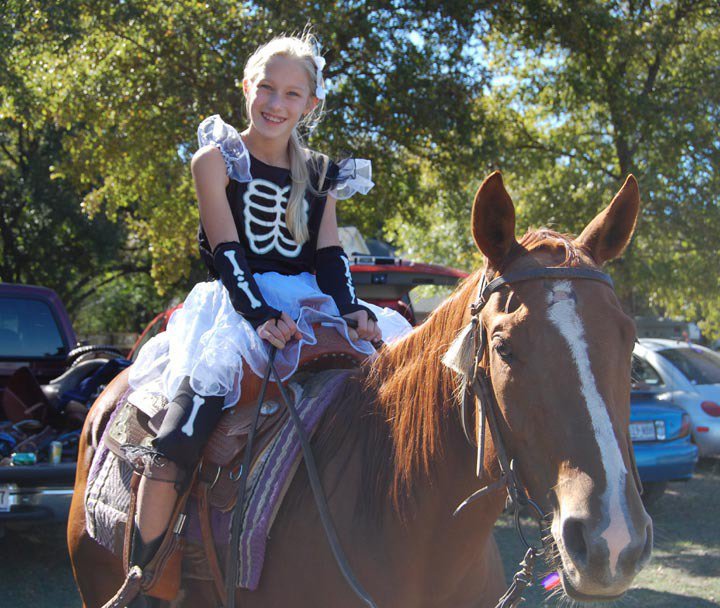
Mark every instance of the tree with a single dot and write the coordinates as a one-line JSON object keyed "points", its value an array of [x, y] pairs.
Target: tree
{"points": [[45, 237], [592, 91], [119, 89]]}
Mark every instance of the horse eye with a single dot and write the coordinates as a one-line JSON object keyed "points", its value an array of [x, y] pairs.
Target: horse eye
{"points": [[502, 348]]}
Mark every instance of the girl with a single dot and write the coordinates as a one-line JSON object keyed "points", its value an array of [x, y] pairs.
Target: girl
{"points": [[268, 235]]}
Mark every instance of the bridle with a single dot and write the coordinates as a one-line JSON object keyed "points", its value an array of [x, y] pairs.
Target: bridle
{"points": [[478, 389]]}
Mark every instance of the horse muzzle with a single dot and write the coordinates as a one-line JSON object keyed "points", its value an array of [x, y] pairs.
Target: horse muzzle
{"points": [[600, 561]]}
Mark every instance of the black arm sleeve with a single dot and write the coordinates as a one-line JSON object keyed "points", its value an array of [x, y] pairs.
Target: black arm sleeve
{"points": [[230, 263], [332, 269]]}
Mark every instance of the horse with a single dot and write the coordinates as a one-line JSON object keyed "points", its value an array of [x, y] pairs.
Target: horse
{"points": [[395, 462]]}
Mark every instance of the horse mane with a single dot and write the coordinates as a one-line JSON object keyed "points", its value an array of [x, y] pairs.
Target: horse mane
{"points": [[395, 408]]}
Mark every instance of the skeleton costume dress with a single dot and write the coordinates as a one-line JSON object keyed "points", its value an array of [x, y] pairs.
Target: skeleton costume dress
{"points": [[207, 340]]}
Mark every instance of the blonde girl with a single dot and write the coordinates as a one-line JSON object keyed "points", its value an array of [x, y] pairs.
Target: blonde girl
{"points": [[269, 237]]}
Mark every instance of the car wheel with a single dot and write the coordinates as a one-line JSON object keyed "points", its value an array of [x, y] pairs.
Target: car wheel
{"points": [[652, 491]]}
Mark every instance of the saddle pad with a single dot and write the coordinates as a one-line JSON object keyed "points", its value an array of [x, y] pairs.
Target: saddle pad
{"points": [[107, 493], [268, 482], [107, 496]]}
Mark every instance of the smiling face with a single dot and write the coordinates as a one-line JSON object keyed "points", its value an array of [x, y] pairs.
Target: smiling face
{"points": [[278, 97]]}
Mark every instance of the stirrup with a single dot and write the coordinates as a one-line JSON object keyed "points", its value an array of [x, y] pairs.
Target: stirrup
{"points": [[129, 590]]}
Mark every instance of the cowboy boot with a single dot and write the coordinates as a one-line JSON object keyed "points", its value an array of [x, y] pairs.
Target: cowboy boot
{"points": [[141, 553]]}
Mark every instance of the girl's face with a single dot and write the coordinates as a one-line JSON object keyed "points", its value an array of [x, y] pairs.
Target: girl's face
{"points": [[279, 97]]}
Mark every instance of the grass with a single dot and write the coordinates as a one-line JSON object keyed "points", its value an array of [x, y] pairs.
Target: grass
{"points": [[685, 568]]}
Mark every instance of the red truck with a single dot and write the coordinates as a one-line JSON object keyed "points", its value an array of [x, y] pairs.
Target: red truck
{"points": [[40, 359]]}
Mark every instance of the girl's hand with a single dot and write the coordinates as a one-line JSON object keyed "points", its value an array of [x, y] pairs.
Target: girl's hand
{"points": [[279, 331], [367, 329]]}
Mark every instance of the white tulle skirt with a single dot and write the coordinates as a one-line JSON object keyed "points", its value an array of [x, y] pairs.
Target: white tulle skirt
{"points": [[207, 340]]}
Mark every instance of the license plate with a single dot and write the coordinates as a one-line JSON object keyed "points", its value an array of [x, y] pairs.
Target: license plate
{"points": [[6, 498], [642, 431]]}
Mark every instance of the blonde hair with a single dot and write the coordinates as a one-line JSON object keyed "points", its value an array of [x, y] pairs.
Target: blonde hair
{"points": [[303, 48]]}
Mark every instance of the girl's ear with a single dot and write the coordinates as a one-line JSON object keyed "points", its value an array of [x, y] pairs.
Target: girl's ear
{"points": [[311, 104], [246, 86]]}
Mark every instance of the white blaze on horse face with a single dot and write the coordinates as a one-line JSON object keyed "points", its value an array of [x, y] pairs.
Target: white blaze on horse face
{"points": [[563, 314], [241, 280], [189, 427]]}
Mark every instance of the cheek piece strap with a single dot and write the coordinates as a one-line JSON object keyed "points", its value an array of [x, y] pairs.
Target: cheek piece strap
{"points": [[478, 388]]}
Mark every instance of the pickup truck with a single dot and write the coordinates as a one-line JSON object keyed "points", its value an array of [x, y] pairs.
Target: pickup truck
{"points": [[40, 359]]}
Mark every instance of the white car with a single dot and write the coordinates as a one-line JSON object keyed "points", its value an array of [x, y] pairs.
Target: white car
{"points": [[689, 376]]}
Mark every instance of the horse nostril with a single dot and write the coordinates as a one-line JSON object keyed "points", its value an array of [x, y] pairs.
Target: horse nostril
{"points": [[637, 553], [573, 536]]}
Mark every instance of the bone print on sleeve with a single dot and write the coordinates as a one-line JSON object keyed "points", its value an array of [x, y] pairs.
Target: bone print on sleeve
{"points": [[332, 269], [236, 276]]}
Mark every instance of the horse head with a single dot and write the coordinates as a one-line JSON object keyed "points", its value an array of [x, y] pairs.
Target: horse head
{"points": [[556, 351]]}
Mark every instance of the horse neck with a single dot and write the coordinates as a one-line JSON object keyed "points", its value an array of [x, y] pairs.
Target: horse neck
{"points": [[417, 429], [416, 399]]}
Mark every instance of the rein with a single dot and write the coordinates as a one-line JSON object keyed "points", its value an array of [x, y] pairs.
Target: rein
{"points": [[479, 389], [315, 485]]}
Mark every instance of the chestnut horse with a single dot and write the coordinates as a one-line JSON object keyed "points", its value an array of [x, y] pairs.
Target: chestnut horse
{"points": [[395, 462]]}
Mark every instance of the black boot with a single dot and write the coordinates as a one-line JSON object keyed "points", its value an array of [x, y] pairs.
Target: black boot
{"points": [[140, 555]]}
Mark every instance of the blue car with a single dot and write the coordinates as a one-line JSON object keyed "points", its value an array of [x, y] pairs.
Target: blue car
{"points": [[660, 432]]}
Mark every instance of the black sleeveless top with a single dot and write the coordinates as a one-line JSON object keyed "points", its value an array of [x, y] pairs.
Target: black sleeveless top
{"points": [[258, 208]]}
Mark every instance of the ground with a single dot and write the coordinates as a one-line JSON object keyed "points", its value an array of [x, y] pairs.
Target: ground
{"points": [[684, 571]]}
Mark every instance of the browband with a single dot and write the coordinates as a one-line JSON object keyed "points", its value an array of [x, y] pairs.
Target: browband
{"points": [[487, 289]]}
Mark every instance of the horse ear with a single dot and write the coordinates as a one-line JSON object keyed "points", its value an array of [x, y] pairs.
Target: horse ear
{"points": [[609, 233], [493, 220]]}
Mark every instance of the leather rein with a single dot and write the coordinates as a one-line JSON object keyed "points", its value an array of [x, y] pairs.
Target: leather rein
{"points": [[478, 388], [232, 557]]}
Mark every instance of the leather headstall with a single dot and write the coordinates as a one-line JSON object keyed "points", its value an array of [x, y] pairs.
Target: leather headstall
{"points": [[479, 387]]}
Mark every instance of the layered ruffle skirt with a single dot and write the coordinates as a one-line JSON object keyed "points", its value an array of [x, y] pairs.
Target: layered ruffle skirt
{"points": [[207, 340]]}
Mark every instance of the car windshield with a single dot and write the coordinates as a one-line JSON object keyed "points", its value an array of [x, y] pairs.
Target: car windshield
{"points": [[28, 329], [643, 374], [699, 366]]}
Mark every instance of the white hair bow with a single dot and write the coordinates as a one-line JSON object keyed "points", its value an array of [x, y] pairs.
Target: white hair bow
{"points": [[320, 64]]}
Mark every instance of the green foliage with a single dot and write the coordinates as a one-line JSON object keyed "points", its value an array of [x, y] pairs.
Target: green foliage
{"points": [[119, 88], [100, 101], [590, 91]]}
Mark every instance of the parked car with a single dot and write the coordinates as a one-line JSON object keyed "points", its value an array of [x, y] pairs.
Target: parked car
{"points": [[660, 433], [40, 360], [687, 375], [35, 331]]}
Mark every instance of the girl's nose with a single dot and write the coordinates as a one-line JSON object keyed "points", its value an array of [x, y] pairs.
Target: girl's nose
{"points": [[274, 100]]}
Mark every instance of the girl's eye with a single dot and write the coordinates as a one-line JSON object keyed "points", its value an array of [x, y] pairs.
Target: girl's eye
{"points": [[267, 87], [294, 94]]}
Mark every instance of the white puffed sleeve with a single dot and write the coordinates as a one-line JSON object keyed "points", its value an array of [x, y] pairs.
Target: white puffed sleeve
{"points": [[354, 175], [214, 131]]}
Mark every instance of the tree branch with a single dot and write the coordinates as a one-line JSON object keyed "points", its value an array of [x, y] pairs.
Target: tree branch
{"points": [[535, 144], [74, 302]]}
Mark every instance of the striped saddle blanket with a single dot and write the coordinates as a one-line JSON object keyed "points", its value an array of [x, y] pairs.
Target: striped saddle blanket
{"points": [[107, 497]]}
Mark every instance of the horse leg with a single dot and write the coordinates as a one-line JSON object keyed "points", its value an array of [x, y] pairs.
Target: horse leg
{"points": [[98, 573]]}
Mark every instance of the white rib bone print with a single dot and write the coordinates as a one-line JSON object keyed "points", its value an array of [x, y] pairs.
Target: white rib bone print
{"points": [[264, 197]]}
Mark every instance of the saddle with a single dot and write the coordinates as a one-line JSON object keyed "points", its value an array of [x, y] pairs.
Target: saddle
{"points": [[216, 479]]}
